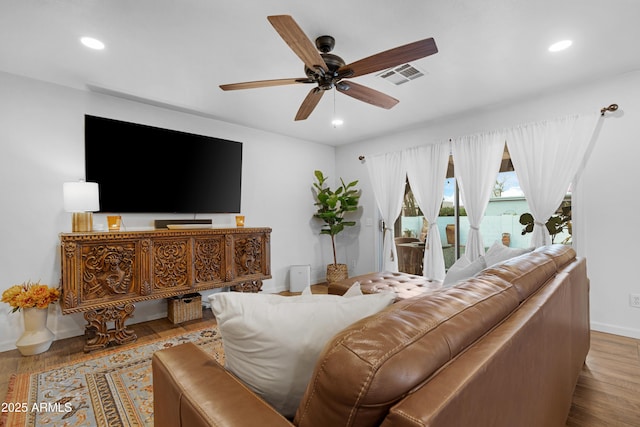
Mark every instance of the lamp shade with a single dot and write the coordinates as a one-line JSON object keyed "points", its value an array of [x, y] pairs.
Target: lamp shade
{"points": [[81, 196]]}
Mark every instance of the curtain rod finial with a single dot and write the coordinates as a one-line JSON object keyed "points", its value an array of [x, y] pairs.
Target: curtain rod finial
{"points": [[612, 108]]}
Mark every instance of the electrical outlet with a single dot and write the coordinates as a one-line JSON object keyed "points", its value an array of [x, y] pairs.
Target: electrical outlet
{"points": [[634, 300]]}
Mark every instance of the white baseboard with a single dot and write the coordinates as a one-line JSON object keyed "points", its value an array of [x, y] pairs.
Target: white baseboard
{"points": [[6, 345], [616, 330], [273, 289]]}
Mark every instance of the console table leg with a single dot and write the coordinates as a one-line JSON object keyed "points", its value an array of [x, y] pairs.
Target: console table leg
{"points": [[99, 335]]}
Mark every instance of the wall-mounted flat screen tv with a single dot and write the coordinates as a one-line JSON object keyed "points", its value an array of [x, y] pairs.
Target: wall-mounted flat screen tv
{"points": [[145, 169]]}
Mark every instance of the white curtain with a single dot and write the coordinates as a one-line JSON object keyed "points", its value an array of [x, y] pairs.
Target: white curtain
{"points": [[546, 156], [427, 171], [476, 160], [387, 175]]}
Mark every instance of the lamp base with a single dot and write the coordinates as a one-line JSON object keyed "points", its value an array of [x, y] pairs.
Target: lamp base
{"points": [[82, 222]]}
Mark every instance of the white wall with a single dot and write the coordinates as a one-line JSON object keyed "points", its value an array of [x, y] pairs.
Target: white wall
{"points": [[41, 146], [606, 194]]}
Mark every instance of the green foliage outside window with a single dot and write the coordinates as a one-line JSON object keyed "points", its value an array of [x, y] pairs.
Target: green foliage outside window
{"points": [[450, 211], [555, 225]]}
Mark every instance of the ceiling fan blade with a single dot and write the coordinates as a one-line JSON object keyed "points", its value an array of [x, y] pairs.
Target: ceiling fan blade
{"points": [[392, 57], [264, 83], [309, 103], [366, 94], [298, 41]]}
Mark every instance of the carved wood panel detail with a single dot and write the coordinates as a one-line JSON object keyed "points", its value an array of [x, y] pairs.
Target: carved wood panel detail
{"points": [[107, 270], [170, 264], [209, 260], [145, 267], [248, 255], [97, 331]]}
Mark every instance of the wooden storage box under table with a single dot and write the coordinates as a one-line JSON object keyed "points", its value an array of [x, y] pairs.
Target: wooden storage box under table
{"points": [[105, 273]]}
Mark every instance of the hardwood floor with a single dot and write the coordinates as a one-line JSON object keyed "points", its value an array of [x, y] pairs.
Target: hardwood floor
{"points": [[608, 389], [72, 349], [607, 393]]}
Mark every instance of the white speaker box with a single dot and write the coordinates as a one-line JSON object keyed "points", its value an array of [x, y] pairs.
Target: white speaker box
{"points": [[299, 277]]}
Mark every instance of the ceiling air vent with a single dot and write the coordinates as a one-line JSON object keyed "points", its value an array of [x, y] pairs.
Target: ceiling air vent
{"points": [[401, 74]]}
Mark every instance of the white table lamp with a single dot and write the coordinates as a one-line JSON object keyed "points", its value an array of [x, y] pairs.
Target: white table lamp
{"points": [[81, 198]]}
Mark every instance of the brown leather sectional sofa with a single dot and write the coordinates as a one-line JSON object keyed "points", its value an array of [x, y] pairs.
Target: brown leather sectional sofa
{"points": [[503, 348]]}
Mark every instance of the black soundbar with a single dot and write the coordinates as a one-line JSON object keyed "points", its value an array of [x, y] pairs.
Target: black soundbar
{"points": [[165, 223]]}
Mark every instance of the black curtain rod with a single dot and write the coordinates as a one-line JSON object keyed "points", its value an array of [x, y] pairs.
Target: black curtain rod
{"points": [[611, 108]]}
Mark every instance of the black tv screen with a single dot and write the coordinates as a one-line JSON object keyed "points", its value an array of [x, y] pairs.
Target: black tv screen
{"points": [[145, 169]]}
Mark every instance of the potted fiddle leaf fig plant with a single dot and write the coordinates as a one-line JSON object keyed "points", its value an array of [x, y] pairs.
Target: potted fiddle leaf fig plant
{"points": [[332, 208]]}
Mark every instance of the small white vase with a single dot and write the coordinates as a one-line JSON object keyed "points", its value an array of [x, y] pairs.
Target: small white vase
{"points": [[36, 338]]}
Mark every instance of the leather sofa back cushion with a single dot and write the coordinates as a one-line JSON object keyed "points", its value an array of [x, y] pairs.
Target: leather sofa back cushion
{"points": [[529, 272], [561, 254], [375, 362]]}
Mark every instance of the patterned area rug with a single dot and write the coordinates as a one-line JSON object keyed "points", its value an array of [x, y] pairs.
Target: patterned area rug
{"points": [[106, 390]]}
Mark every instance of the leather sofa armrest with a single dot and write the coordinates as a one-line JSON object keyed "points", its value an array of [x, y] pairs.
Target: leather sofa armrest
{"points": [[191, 389]]}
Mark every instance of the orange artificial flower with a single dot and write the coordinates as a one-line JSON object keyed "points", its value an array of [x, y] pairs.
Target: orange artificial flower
{"points": [[27, 295]]}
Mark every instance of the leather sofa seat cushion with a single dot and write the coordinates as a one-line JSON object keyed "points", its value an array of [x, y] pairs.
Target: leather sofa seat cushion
{"points": [[402, 284], [369, 366]]}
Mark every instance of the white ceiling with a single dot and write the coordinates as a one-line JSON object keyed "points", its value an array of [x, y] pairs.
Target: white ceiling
{"points": [[176, 53]]}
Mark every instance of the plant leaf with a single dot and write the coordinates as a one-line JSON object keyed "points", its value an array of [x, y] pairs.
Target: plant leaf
{"points": [[526, 218]]}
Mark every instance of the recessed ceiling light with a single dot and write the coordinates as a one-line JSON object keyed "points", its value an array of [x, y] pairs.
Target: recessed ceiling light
{"points": [[92, 43], [561, 45]]}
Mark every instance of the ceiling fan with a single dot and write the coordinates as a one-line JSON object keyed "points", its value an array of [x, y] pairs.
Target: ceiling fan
{"points": [[328, 71]]}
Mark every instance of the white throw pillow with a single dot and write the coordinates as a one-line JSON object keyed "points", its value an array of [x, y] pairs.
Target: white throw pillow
{"points": [[272, 342], [463, 269], [499, 252]]}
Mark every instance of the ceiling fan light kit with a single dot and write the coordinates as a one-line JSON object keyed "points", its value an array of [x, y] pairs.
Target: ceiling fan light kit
{"points": [[328, 71]]}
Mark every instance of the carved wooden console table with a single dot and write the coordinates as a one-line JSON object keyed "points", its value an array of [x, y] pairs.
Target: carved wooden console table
{"points": [[105, 273]]}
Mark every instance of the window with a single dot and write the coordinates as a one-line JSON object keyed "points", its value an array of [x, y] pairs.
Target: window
{"points": [[502, 221]]}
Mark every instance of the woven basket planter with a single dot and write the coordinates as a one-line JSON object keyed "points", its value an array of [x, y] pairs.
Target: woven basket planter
{"points": [[337, 272]]}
